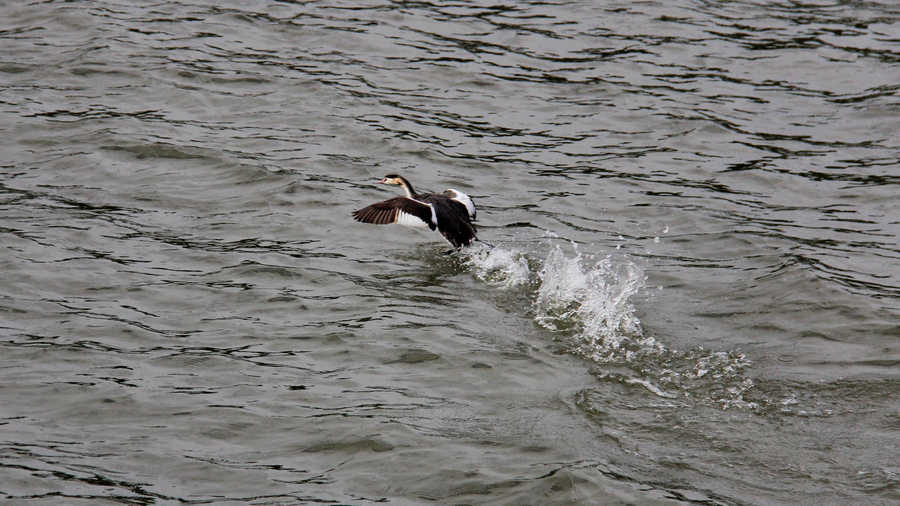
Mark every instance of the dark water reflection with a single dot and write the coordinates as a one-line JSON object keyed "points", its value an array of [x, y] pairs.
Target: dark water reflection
{"points": [[693, 296]]}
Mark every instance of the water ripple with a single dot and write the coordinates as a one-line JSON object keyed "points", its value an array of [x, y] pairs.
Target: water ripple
{"points": [[186, 294]]}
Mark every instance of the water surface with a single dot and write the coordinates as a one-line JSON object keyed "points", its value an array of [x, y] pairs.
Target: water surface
{"points": [[692, 298]]}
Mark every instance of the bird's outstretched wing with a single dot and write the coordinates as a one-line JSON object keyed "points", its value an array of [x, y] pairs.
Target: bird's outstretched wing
{"points": [[400, 210]]}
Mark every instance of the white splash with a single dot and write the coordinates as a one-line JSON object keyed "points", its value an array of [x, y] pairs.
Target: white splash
{"points": [[499, 266], [591, 297], [590, 302], [572, 293]]}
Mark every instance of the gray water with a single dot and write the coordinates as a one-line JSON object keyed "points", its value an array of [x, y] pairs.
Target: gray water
{"points": [[693, 296]]}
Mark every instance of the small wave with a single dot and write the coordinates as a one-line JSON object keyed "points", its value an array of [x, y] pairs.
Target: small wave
{"points": [[588, 302]]}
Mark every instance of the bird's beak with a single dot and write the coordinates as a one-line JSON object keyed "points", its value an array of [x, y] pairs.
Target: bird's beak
{"points": [[384, 180]]}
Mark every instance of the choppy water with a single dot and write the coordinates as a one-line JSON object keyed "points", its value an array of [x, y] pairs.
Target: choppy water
{"points": [[693, 296]]}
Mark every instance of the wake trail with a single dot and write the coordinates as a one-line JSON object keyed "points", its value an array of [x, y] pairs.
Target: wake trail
{"points": [[588, 303]]}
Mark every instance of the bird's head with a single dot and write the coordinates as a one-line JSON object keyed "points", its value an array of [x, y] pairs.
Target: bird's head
{"points": [[391, 179]]}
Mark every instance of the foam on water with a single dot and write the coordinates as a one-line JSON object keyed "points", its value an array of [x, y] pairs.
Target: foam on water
{"points": [[588, 302], [499, 266]]}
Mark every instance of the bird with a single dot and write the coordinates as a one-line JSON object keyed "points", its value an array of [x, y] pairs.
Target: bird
{"points": [[451, 213]]}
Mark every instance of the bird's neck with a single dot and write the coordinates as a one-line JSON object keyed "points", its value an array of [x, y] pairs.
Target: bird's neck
{"points": [[410, 193]]}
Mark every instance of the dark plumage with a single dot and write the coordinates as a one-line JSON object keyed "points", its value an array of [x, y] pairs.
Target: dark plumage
{"points": [[450, 212]]}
